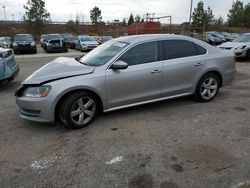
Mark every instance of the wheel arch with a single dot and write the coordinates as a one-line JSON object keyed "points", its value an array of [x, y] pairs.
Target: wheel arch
{"points": [[214, 71], [68, 93]]}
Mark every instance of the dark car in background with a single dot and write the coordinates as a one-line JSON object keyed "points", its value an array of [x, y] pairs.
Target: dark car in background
{"points": [[24, 43], [54, 43], [66, 37], [71, 42]]}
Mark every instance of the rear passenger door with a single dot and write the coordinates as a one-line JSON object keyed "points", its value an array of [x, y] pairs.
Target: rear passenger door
{"points": [[182, 61]]}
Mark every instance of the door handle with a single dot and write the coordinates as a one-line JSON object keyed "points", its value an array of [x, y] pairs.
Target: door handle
{"points": [[156, 71], [198, 64]]}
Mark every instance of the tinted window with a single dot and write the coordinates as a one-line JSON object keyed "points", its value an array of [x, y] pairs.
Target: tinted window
{"points": [[172, 49], [142, 53]]}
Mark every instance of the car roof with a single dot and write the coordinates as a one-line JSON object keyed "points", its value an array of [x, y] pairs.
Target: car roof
{"points": [[148, 37]]}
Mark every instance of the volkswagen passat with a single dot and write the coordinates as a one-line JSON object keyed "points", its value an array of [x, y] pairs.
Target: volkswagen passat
{"points": [[121, 73]]}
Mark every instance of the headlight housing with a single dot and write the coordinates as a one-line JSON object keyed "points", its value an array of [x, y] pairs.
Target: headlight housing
{"points": [[14, 44], [241, 47], [4, 54], [37, 92], [33, 43]]}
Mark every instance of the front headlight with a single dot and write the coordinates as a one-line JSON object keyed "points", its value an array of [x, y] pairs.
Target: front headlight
{"points": [[37, 92], [241, 47], [4, 54], [14, 44], [33, 44]]}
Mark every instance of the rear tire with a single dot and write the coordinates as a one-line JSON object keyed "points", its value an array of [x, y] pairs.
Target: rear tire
{"points": [[207, 88], [78, 110]]}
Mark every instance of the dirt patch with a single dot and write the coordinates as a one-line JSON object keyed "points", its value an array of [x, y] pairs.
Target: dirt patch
{"points": [[177, 168], [141, 181], [168, 184], [207, 157], [240, 109]]}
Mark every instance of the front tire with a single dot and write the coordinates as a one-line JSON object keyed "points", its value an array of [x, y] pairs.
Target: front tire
{"points": [[78, 110], [207, 88]]}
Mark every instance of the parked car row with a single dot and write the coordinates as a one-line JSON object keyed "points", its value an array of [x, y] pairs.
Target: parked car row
{"points": [[53, 43], [217, 38]]}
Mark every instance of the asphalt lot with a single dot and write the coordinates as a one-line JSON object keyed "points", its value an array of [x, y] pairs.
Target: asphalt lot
{"points": [[171, 144]]}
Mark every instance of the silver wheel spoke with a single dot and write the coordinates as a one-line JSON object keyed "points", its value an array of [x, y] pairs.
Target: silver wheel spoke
{"points": [[81, 118], [213, 87], [209, 93], [210, 81], [80, 104], [75, 113], [89, 113], [204, 92], [89, 103]]}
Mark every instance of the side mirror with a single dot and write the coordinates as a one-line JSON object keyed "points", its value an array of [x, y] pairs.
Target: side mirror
{"points": [[119, 65]]}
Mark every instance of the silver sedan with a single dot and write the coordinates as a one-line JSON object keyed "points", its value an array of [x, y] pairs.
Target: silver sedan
{"points": [[122, 73]]}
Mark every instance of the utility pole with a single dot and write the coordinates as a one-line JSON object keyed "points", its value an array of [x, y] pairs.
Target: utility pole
{"points": [[13, 17], [190, 15], [4, 12]]}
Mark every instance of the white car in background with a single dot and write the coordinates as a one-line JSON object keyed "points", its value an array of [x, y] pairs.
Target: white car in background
{"points": [[240, 46]]}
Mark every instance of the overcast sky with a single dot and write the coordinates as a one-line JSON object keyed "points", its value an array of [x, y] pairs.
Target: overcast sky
{"points": [[63, 10]]}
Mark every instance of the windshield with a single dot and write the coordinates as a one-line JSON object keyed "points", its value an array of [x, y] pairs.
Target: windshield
{"points": [[242, 38], [23, 38], [86, 39], [103, 53]]}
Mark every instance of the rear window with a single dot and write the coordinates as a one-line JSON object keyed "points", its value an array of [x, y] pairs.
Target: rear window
{"points": [[173, 49]]}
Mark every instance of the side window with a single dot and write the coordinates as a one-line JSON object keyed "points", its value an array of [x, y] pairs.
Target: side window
{"points": [[142, 53], [172, 49]]}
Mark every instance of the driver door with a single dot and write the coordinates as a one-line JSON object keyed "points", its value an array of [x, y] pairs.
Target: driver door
{"points": [[140, 82]]}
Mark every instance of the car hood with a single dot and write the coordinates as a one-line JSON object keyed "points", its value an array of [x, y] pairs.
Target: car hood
{"points": [[57, 69], [89, 42], [233, 44]]}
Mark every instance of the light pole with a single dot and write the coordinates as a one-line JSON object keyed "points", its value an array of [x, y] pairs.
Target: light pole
{"points": [[13, 17], [4, 12], [190, 15]]}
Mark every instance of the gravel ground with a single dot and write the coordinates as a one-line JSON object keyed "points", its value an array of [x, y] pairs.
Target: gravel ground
{"points": [[171, 144]]}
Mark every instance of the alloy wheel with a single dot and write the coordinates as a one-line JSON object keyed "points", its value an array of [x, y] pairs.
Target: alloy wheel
{"points": [[83, 110], [209, 88]]}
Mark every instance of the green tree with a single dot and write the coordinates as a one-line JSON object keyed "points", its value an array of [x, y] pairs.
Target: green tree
{"points": [[124, 23], [137, 19], [246, 16], [131, 19], [218, 21], [35, 15], [202, 17], [95, 15], [236, 14]]}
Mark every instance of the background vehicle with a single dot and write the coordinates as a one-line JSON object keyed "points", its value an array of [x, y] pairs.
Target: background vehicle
{"points": [[211, 39], [54, 43], [8, 66], [124, 72], [104, 39], [66, 37], [86, 43], [71, 42], [240, 46], [217, 35], [42, 39], [5, 42], [228, 36], [24, 43]]}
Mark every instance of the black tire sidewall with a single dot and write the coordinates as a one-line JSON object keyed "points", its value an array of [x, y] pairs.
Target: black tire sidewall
{"points": [[65, 110], [198, 95]]}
